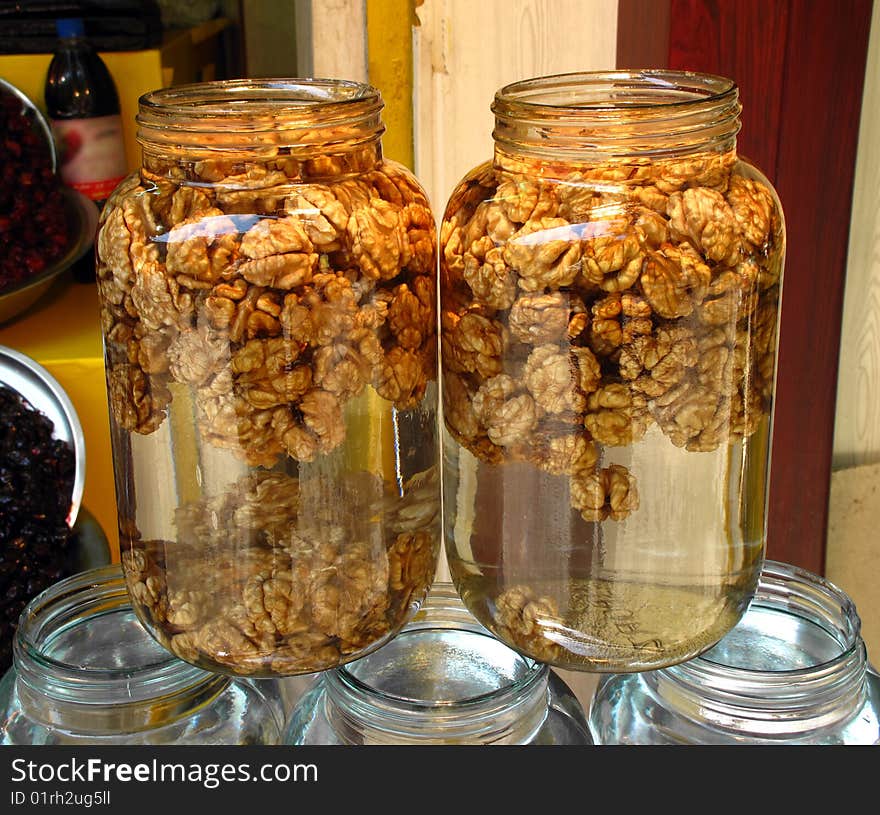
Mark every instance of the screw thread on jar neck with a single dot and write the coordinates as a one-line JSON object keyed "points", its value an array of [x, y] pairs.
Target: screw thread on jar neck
{"points": [[487, 693], [795, 664], [333, 122], [597, 117], [83, 662]]}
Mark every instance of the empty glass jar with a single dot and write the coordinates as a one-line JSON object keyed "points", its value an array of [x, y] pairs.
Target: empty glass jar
{"points": [[86, 672], [443, 680], [794, 671], [610, 287], [267, 284]]}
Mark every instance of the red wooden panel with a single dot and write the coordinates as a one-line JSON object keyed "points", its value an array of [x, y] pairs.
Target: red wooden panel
{"points": [[818, 138], [800, 68], [642, 33], [744, 40]]}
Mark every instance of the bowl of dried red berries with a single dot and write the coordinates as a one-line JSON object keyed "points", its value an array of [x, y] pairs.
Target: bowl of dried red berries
{"points": [[42, 475], [45, 226]]}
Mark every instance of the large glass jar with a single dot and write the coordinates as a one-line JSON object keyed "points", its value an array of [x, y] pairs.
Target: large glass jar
{"points": [[267, 284], [610, 287], [793, 671], [86, 672], [443, 680]]}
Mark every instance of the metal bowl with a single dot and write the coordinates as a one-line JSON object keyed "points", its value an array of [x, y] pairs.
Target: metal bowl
{"points": [[35, 384], [82, 217]]}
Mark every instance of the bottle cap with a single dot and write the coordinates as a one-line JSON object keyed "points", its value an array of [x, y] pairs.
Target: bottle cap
{"points": [[69, 27]]}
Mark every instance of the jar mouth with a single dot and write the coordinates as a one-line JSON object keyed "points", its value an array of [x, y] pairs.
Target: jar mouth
{"points": [[794, 662], [444, 677], [253, 113], [222, 99], [596, 92], [806, 598], [80, 641], [618, 113]]}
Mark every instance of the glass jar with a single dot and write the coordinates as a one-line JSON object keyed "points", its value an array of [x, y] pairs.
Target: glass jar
{"points": [[267, 285], [86, 672], [609, 292], [444, 679], [794, 670]]}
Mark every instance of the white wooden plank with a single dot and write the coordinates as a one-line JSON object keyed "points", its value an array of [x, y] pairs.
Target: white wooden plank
{"points": [[465, 51], [857, 427], [339, 39]]}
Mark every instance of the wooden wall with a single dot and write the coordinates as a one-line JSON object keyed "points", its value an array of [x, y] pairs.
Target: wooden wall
{"points": [[800, 67]]}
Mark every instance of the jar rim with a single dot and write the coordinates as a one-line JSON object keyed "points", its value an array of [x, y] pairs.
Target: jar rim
{"points": [[216, 96], [596, 116], [776, 702], [265, 114], [444, 609], [783, 585], [514, 710], [673, 89], [96, 591]]}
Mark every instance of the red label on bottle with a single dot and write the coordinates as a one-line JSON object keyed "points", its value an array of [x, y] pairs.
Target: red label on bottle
{"points": [[91, 154]]}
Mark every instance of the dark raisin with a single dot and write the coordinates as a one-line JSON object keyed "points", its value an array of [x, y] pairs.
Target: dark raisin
{"points": [[36, 484]]}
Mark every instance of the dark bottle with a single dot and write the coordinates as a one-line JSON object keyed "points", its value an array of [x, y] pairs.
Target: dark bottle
{"points": [[83, 106]]}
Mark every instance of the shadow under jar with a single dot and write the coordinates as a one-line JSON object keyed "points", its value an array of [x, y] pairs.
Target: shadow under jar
{"points": [[609, 292], [267, 284]]}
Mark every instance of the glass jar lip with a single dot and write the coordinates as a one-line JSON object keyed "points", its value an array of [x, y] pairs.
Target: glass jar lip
{"points": [[297, 98], [692, 89], [100, 590], [776, 584], [444, 609]]}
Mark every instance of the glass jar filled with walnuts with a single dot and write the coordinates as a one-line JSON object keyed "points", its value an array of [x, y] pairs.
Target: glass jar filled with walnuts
{"points": [[609, 293], [267, 284]]}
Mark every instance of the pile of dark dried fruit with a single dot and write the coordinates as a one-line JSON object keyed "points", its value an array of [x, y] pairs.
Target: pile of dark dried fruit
{"points": [[36, 483], [34, 228]]}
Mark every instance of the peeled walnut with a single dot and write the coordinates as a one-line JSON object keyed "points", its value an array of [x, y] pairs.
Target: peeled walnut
{"points": [[411, 312], [753, 209], [566, 454], [657, 362], [378, 239], [523, 199], [703, 217], [545, 253], [616, 416], [549, 377], [675, 280], [473, 343], [401, 377], [512, 421], [710, 170], [731, 296], [195, 355], [542, 318], [138, 401], [607, 493], [524, 619], [613, 259], [201, 247], [617, 319], [693, 416], [323, 311], [492, 281]]}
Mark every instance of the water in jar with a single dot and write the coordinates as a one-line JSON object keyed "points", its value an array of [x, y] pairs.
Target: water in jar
{"points": [[653, 589]]}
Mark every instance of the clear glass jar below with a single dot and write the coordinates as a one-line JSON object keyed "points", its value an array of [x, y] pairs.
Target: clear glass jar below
{"points": [[443, 680], [85, 671], [609, 287], [267, 286], [793, 671]]}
